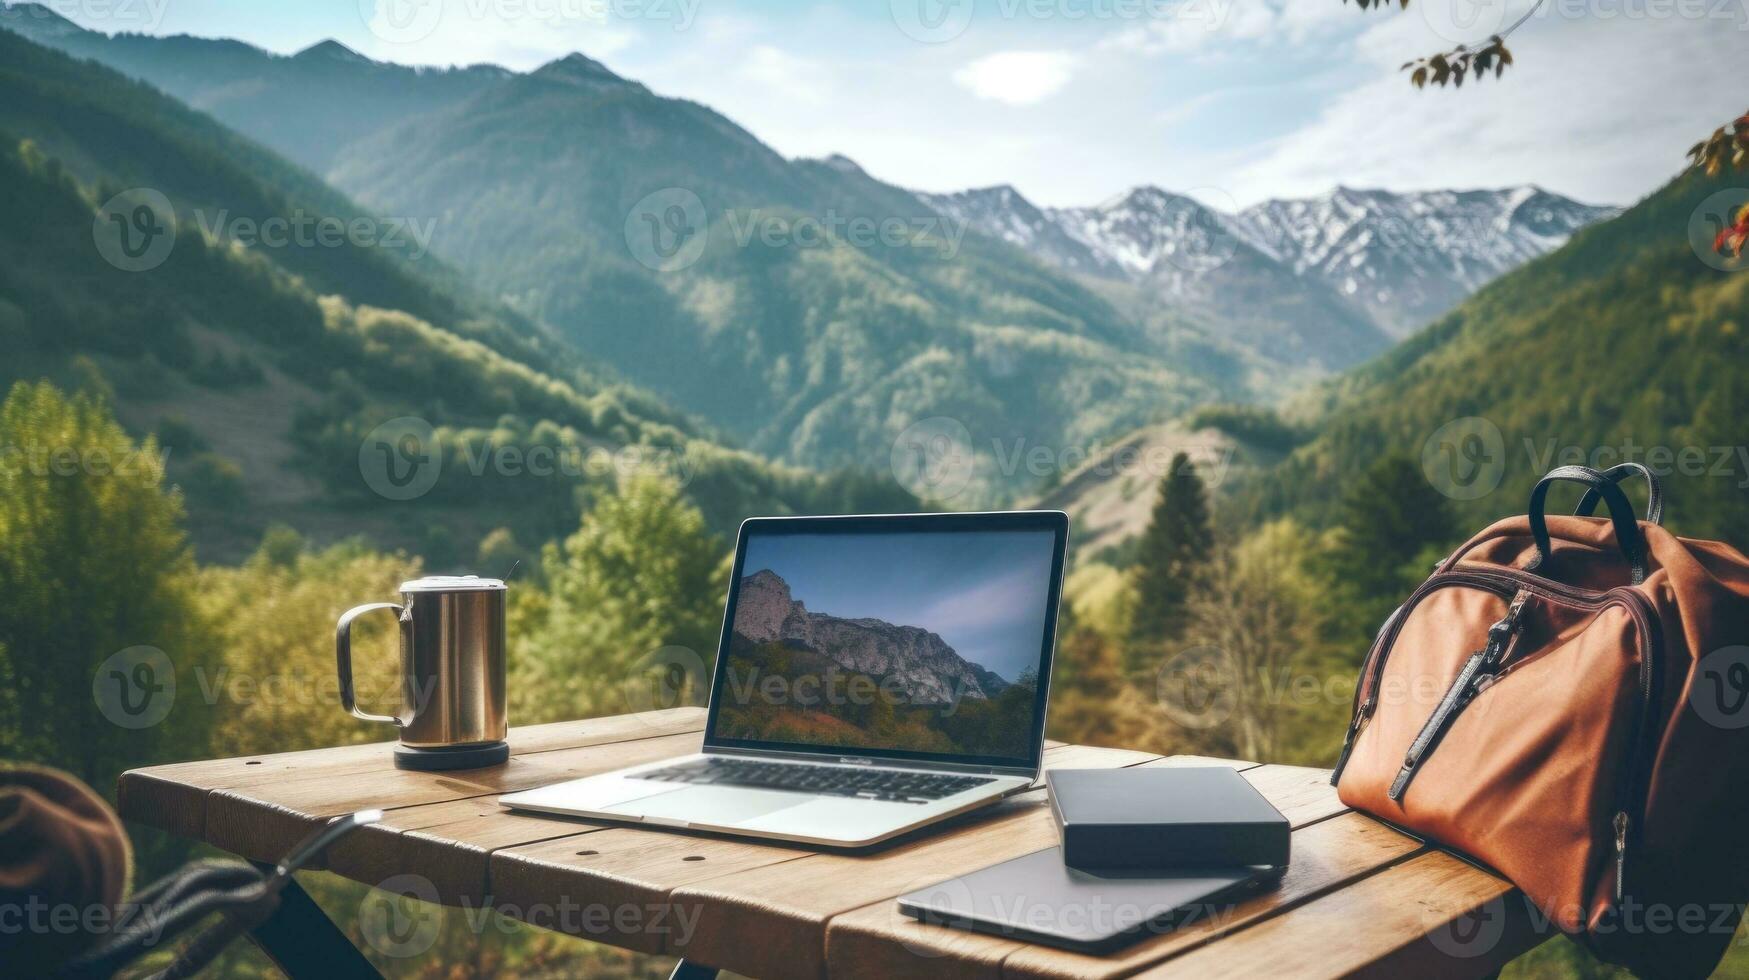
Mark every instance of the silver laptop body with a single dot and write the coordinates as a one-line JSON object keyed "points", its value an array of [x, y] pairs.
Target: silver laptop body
{"points": [[875, 674]]}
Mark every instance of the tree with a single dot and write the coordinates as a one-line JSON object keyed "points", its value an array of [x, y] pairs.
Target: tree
{"points": [[99, 633], [274, 688], [1722, 150], [1391, 525], [1173, 552], [639, 586], [1251, 637]]}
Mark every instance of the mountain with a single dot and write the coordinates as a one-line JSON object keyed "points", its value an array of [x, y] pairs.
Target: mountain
{"points": [[1151, 250], [807, 333], [1395, 260], [917, 661], [1408, 258], [305, 106], [264, 365], [1631, 341], [805, 329]]}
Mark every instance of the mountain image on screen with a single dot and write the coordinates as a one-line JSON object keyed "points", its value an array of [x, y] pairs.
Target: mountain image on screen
{"points": [[804, 677]]}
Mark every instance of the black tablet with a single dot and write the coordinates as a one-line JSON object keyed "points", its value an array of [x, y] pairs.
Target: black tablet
{"points": [[1039, 899]]}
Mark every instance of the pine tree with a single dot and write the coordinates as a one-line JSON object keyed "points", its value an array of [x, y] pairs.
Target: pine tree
{"points": [[1173, 555], [1392, 526]]}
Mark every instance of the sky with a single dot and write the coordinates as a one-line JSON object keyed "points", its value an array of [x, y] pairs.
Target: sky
{"points": [[1076, 101], [984, 593]]}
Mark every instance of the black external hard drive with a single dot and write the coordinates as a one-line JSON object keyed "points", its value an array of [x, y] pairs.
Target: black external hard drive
{"points": [[1039, 899], [1167, 817]]}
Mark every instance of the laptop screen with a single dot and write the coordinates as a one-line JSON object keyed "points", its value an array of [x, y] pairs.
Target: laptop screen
{"points": [[918, 637]]}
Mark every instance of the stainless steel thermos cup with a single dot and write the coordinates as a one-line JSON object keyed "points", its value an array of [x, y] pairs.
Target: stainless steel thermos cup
{"points": [[452, 638]]}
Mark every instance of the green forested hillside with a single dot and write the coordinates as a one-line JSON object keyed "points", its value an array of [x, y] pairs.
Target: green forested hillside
{"points": [[1624, 343], [812, 343], [262, 369], [817, 346]]}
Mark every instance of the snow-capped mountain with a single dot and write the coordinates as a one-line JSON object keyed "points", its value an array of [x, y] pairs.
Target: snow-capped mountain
{"points": [[1399, 260], [1407, 258], [1183, 256], [1001, 212]]}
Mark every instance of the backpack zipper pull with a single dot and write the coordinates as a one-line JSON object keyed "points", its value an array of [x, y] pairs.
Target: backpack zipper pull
{"points": [[1501, 633], [1474, 677], [1361, 717], [1621, 854]]}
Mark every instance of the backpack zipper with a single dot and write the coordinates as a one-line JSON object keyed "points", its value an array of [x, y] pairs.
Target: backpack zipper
{"points": [[1632, 784], [1475, 675]]}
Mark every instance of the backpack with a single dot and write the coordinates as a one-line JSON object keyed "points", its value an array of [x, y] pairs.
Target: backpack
{"points": [[1566, 699]]}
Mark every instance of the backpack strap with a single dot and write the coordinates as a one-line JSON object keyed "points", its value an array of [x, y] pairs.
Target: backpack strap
{"points": [[1618, 473], [1621, 514]]}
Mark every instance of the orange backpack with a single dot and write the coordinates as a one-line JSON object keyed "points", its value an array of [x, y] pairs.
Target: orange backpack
{"points": [[1566, 699]]}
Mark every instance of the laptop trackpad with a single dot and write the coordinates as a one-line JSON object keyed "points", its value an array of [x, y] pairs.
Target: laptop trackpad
{"points": [[723, 806]]}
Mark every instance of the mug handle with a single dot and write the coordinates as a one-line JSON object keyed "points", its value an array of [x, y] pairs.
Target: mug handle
{"points": [[343, 660]]}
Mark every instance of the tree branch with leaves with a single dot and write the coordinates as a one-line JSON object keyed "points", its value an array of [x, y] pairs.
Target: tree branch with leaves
{"points": [[1726, 149]]}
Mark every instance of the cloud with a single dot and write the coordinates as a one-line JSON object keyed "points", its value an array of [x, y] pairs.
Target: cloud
{"points": [[1196, 25], [787, 75], [1017, 77], [1599, 109]]}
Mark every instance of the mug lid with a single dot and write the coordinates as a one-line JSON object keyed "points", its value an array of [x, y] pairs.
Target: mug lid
{"points": [[453, 583]]}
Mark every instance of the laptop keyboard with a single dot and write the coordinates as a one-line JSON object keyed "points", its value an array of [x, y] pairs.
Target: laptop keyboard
{"points": [[871, 784]]}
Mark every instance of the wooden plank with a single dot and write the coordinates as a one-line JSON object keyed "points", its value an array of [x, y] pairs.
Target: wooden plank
{"points": [[450, 842], [1405, 921], [174, 796], [770, 921], [875, 940], [261, 822]]}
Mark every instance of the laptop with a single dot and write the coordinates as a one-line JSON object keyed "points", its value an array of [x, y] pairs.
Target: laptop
{"points": [[875, 674]]}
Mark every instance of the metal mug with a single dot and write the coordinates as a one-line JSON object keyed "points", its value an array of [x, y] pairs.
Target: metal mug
{"points": [[452, 671]]}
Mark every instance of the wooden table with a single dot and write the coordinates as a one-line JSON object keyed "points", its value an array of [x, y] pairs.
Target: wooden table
{"points": [[1359, 897]]}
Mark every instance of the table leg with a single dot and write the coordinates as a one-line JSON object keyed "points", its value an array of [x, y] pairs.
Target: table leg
{"points": [[692, 971], [303, 942]]}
